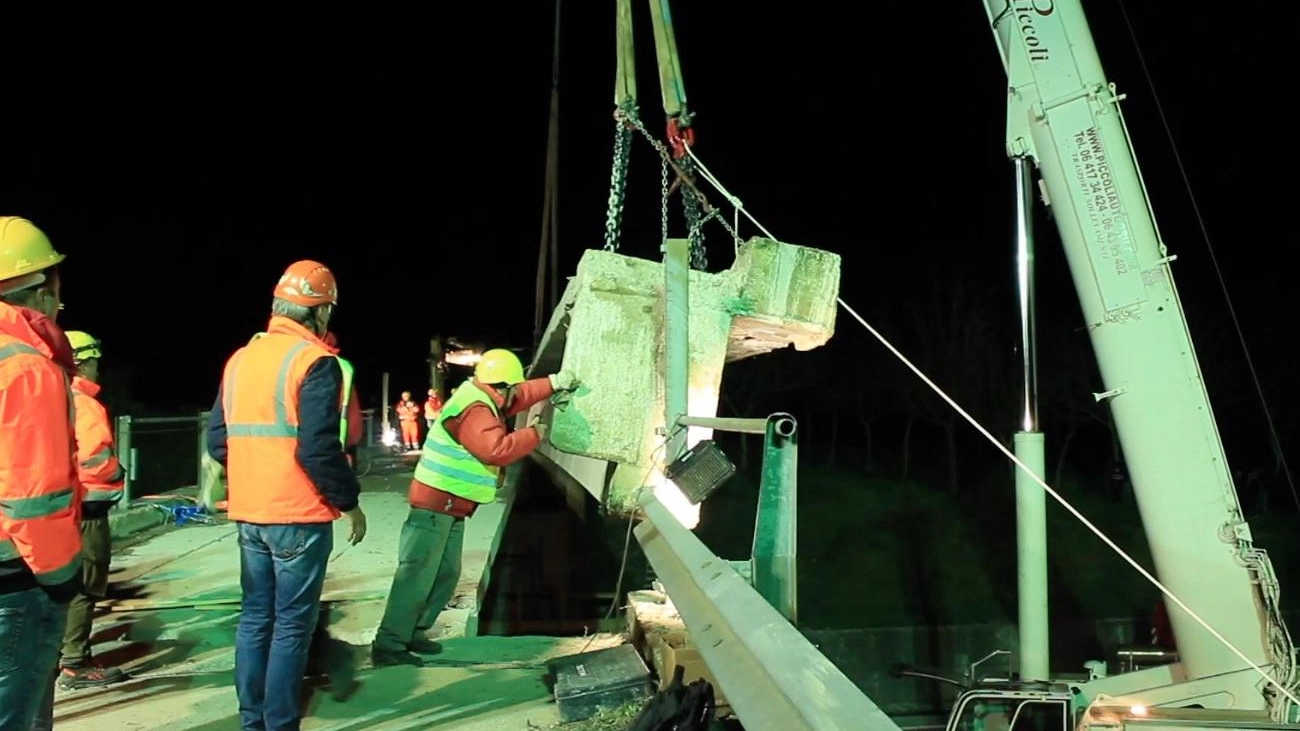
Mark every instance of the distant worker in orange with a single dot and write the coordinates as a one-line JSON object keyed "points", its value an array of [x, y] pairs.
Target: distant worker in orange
{"points": [[352, 430], [408, 417], [40, 501], [459, 469], [275, 426], [102, 476], [432, 407]]}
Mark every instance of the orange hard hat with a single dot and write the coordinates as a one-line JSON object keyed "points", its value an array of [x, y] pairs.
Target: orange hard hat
{"points": [[308, 283]]}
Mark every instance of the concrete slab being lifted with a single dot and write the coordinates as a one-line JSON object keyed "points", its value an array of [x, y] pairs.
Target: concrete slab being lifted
{"points": [[608, 329]]}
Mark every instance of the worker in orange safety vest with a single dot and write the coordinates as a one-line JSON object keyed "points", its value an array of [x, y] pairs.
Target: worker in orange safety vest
{"points": [[275, 426], [103, 478], [40, 497], [408, 415]]}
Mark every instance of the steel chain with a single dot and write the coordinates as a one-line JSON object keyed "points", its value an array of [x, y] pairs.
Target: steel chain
{"points": [[628, 121], [663, 204], [694, 216], [625, 119]]}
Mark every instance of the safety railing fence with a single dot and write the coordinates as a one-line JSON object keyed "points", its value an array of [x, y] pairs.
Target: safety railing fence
{"points": [[163, 453]]}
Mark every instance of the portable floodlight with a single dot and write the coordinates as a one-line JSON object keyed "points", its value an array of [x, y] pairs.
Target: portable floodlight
{"points": [[700, 471]]}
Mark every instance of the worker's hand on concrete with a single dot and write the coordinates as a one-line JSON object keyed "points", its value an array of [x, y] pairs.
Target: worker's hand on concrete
{"points": [[564, 381], [542, 429], [358, 520]]}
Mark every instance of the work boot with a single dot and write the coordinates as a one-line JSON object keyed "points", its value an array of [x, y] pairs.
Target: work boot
{"points": [[88, 676], [425, 646], [384, 658]]}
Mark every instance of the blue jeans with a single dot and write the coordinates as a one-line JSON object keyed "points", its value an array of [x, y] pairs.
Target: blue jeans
{"points": [[281, 572], [31, 631]]}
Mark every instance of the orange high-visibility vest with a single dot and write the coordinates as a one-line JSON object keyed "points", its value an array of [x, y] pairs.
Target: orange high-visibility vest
{"points": [[98, 467], [260, 401], [40, 521]]}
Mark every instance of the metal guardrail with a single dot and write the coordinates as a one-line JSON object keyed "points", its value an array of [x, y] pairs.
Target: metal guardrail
{"points": [[772, 676], [129, 454]]}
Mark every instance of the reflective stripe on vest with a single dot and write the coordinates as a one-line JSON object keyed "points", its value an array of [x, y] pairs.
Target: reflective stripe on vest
{"points": [[41, 505], [346, 366], [448, 466], [260, 388], [281, 426], [347, 398]]}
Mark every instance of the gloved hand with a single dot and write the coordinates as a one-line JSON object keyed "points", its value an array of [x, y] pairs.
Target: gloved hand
{"points": [[564, 381], [542, 429]]}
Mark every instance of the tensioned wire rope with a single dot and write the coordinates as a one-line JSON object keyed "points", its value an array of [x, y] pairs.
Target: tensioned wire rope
{"points": [[740, 209]]}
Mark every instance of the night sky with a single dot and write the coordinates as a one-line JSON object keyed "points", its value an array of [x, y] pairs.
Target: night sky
{"points": [[181, 164]]}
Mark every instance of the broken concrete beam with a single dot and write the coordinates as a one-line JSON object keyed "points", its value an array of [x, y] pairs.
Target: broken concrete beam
{"points": [[613, 322], [788, 296], [609, 329]]}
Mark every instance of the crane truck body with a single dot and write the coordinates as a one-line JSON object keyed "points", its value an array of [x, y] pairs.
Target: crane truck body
{"points": [[1065, 117]]}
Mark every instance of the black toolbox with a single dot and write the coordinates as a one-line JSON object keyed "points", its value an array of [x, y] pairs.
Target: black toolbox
{"points": [[600, 680]]}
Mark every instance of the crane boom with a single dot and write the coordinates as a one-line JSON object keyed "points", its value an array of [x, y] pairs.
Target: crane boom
{"points": [[1065, 117]]}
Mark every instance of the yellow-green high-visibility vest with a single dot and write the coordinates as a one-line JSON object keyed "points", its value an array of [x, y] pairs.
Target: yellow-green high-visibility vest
{"points": [[346, 365], [448, 466]]}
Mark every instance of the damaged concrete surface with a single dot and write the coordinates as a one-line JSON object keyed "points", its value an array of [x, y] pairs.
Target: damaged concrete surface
{"points": [[608, 329], [173, 609]]}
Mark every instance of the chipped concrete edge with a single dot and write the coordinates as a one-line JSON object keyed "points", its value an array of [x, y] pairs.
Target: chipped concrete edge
{"points": [[132, 520]]}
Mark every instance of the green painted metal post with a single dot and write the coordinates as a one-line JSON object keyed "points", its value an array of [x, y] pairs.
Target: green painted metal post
{"points": [[125, 454], [677, 337], [774, 559], [1031, 500], [200, 448], [1031, 568]]}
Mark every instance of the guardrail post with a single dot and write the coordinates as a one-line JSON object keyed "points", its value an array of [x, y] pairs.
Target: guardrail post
{"points": [[202, 448], [368, 417], [125, 457], [775, 572]]}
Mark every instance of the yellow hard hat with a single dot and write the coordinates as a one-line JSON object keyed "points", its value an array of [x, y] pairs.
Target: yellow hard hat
{"points": [[24, 250], [499, 366], [84, 347]]}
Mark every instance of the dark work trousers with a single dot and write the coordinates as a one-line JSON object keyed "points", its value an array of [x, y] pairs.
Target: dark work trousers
{"points": [[428, 567], [31, 626], [96, 552]]}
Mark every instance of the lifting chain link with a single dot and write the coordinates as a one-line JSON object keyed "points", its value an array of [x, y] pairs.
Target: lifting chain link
{"points": [[694, 217], [663, 204], [626, 121]]}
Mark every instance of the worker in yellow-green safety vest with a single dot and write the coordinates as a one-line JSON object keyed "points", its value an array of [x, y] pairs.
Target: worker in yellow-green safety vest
{"points": [[351, 429], [350, 426], [458, 471]]}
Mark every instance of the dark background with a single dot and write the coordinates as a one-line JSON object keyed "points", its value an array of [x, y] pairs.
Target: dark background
{"points": [[181, 162]]}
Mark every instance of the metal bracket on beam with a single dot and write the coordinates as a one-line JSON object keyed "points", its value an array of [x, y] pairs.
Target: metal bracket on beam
{"points": [[784, 426], [770, 673]]}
